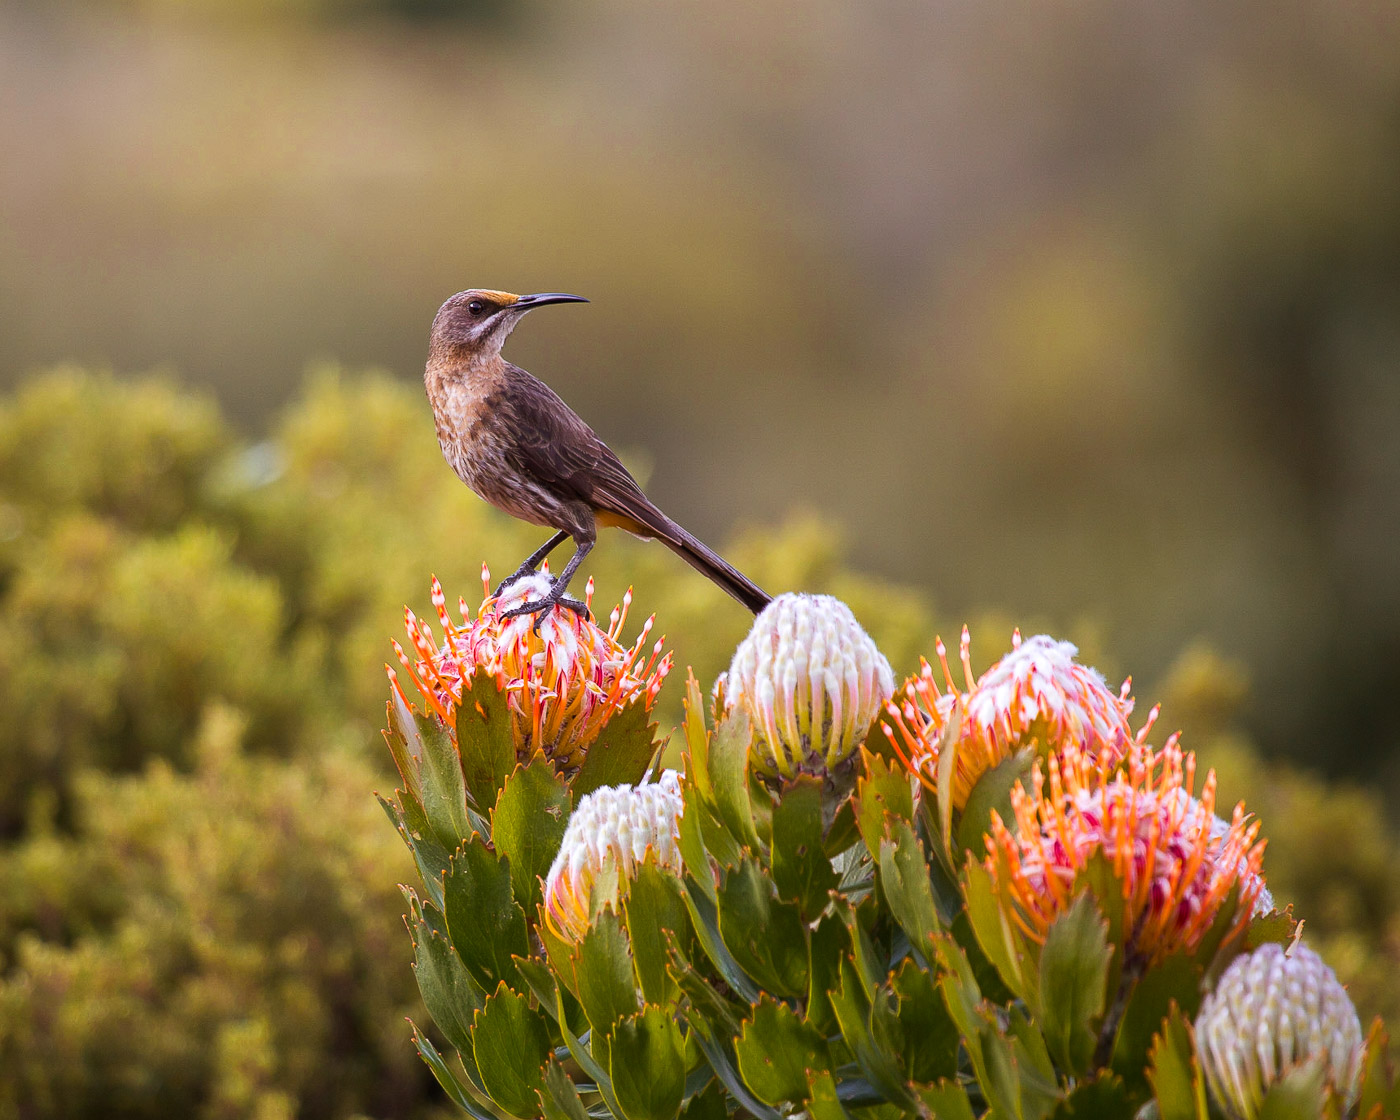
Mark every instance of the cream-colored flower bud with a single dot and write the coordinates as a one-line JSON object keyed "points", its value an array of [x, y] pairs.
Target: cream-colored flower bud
{"points": [[1272, 1012], [607, 837], [812, 682]]}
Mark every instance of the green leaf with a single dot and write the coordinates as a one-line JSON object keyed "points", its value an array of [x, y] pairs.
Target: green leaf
{"points": [[527, 825], [801, 869], [444, 790], [697, 737], [729, 761], [1103, 1098], [1002, 943], [653, 907], [778, 1053], [946, 1100], [621, 753], [1277, 927], [539, 980], [828, 945], [484, 739], [584, 1057], [1174, 1074], [1177, 980], [880, 1066], [905, 884], [708, 1104], [430, 856], [1300, 1094], [992, 791], [559, 1099], [648, 1065], [449, 992], [765, 937], [511, 1044], [442, 1072], [1073, 972], [822, 1101], [692, 840], [948, 746], [1376, 1082], [704, 920], [607, 988], [930, 1035], [486, 923], [883, 789]]}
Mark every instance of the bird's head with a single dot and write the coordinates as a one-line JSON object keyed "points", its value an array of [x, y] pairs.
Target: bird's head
{"points": [[481, 319]]}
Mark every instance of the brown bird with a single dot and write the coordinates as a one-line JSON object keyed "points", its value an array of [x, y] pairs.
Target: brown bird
{"points": [[511, 438]]}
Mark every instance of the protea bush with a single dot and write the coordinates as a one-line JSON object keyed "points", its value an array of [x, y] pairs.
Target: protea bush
{"points": [[992, 898]]}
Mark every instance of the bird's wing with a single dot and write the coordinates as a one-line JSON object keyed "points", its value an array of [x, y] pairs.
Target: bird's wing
{"points": [[552, 445]]}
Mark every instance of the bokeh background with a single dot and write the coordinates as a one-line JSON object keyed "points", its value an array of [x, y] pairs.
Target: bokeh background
{"points": [[1073, 317]]}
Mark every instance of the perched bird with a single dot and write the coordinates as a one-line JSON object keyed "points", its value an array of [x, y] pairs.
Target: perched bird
{"points": [[511, 438]]}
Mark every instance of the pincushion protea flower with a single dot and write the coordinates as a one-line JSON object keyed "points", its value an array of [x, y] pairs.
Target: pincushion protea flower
{"points": [[1271, 1012], [565, 681], [1036, 692], [812, 682], [608, 835], [1176, 873]]}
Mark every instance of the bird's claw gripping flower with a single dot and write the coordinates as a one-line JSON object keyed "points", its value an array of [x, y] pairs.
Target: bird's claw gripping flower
{"points": [[1038, 692], [607, 837], [565, 681], [1176, 870], [812, 682], [1274, 1010]]}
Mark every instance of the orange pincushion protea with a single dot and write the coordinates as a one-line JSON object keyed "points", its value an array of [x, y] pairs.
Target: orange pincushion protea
{"points": [[565, 682], [1177, 868], [1036, 692]]}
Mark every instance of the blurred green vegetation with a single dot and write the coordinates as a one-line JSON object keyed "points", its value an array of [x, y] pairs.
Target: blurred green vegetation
{"points": [[199, 913]]}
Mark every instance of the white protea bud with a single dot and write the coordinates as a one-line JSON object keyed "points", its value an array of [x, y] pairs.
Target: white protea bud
{"points": [[608, 836], [812, 682], [1271, 1012]]}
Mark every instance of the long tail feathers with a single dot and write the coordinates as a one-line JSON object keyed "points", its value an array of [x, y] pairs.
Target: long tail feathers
{"points": [[709, 563]]}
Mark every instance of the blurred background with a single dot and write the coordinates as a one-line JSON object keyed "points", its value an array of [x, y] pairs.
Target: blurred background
{"points": [[1073, 317]]}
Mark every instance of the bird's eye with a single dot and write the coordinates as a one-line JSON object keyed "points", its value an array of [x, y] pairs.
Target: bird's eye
{"points": [[476, 307]]}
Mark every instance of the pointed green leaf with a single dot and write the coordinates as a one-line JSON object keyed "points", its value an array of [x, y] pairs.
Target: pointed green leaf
{"points": [[585, 1059], [778, 1053], [822, 1101], [527, 825], [947, 1100], [720, 1061], [1176, 980], [692, 840], [607, 988], [704, 920], [621, 753], [729, 761], [930, 1035], [883, 789], [1103, 1098], [1376, 1081], [539, 980], [801, 869], [997, 937], [904, 881], [1300, 1094], [992, 791], [949, 744], [430, 856], [484, 739], [1277, 927], [717, 1015], [1073, 972], [511, 1044], [829, 944], [449, 992], [444, 1076], [1174, 1074], [559, 1099], [764, 936], [697, 737], [653, 908], [648, 1065], [708, 1104], [444, 790], [486, 923], [880, 1066]]}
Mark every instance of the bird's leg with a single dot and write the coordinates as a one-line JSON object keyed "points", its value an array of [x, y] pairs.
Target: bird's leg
{"points": [[532, 562], [556, 595]]}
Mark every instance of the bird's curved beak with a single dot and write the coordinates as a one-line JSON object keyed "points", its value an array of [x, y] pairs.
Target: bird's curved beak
{"points": [[539, 299]]}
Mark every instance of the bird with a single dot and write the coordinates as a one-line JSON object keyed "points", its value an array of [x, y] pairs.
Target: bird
{"points": [[515, 442]]}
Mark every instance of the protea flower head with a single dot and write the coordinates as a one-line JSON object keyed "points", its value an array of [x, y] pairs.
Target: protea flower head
{"points": [[608, 836], [1175, 870], [1274, 1010], [1038, 692], [565, 681], [812, 682]]}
